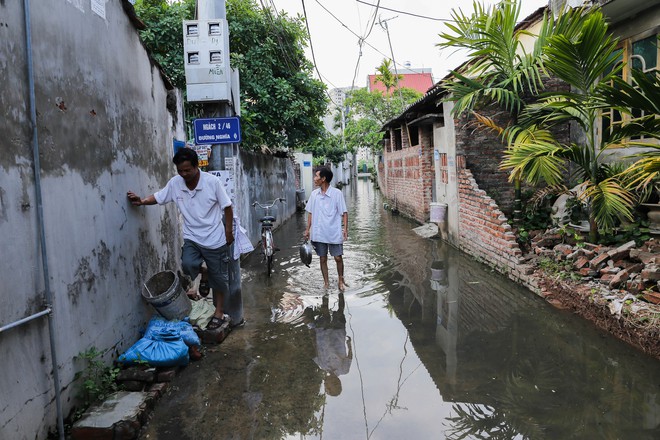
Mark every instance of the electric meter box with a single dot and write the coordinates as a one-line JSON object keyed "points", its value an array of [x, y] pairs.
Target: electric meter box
{"points": [[206, 60]]}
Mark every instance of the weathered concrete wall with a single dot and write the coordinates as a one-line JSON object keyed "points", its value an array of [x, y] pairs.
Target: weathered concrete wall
{"points": [[105, 124], [263, 178]]}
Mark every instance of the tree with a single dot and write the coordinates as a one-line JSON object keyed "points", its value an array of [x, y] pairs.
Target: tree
{"points": [[163, 36], [281, 103], [386, 77], [587, 61], [369, 111], [499, 70]]}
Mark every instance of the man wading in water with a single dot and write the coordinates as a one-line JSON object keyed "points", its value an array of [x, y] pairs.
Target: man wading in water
{"points": [[326, 211], [202, 200]]}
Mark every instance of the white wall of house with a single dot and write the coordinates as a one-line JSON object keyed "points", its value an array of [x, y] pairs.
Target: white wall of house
{"points": [[444, 141]]}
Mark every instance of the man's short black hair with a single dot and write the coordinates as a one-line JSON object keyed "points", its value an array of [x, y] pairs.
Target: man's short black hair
{"points": [[185, 154], [325, 172]]}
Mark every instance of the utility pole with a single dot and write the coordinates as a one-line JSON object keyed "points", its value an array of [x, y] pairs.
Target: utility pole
{"points": [[383, 24], [211, 81]]}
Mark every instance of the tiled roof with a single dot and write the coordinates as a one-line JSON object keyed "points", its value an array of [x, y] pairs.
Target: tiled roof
{"points": [[416, 81]]}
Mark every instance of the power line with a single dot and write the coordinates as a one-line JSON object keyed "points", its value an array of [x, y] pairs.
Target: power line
{"points": [[403, 12], [311, 47]]}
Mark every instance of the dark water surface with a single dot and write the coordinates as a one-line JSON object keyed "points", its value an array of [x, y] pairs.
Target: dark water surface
{"points": [[429, 345]]}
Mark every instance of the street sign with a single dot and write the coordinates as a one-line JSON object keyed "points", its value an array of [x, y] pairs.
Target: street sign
{"points": [[217, 131]]}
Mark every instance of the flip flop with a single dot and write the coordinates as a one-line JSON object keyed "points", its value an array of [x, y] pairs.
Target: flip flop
{"points": [[216, 322], [204, 288]]}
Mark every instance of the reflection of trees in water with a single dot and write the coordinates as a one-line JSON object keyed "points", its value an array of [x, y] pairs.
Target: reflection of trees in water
{"points": [[290, 395]]}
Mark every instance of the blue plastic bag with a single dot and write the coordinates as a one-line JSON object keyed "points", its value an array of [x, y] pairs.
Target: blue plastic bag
{"points": [[185, 329], [164, 348]]}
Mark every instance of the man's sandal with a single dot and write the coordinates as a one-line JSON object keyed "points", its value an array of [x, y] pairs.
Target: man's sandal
{"points": [[216, 322], [204, 288]]}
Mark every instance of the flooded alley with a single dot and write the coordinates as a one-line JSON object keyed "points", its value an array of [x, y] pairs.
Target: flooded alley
{"points": [[424, 344]]}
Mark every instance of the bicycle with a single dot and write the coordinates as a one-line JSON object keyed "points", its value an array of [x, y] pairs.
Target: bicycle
{"points": [[267, 222]]}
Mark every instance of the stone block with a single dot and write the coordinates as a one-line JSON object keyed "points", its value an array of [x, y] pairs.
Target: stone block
{"points": [[166, 375], [137, 374], [117, 418]]}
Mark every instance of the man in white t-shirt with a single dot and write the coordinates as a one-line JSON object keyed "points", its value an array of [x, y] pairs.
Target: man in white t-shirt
{"points": [[202, 201], [326, 212]]}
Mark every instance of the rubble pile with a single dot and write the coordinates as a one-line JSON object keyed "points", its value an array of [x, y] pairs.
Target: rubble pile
{"points": [[627, 267], [615, 287]]}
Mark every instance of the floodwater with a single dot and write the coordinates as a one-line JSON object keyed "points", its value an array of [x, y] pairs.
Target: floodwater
{"points": [[424, 344]]}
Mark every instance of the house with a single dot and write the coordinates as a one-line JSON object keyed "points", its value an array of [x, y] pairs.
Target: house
{"points": [[431, 157], [417, 79]]}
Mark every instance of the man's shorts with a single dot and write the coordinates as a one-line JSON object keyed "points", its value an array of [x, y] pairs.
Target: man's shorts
{"points": [[217, 263], [322, 249]]}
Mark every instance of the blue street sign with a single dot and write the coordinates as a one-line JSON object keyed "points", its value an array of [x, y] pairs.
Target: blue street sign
{"points": [[217, 131]]}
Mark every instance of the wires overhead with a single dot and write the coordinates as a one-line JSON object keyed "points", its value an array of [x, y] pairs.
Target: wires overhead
{"points": [[402, 12], [311, 48]]}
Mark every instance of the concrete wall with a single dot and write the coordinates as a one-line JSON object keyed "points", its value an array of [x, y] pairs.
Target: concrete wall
{"points": [[105, 124], [263, 178]]}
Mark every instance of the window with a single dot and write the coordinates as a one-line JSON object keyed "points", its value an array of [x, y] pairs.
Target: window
{"points": [[640, 53], [398, 145], [414, 136]]}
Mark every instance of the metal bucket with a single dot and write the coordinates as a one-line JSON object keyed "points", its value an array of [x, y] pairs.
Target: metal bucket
{"points": [[165, 293]]}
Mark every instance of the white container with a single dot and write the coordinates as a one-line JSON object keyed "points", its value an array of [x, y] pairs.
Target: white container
{"points": [[438, 212]]}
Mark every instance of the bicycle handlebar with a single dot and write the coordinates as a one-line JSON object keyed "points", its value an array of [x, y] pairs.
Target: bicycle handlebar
{"points": [[266, 205]]}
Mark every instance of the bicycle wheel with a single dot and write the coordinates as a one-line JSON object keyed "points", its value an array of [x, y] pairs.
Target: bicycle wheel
{"points": [[269, 264], [268, 250]]}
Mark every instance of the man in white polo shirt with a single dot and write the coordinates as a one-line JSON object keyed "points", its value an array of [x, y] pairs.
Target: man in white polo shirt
{"points": [[202, 200], [326, 211]]}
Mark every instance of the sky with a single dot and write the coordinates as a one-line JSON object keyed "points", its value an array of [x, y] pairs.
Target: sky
{"points": [[335, 33]]}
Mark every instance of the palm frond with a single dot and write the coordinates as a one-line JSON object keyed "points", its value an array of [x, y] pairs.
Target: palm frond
{"points": [[609, 202], [534, 154]]}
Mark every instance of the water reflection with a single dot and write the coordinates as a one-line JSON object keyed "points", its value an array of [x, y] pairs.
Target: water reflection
{"points": [[425, 344], [334, 351]]}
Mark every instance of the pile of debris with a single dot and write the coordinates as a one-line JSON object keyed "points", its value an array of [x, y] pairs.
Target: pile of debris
{"points": [[627, 267], [617, 288]]}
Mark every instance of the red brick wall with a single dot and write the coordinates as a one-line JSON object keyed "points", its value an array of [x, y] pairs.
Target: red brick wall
{"points": [[483, 228], [406, 178]]}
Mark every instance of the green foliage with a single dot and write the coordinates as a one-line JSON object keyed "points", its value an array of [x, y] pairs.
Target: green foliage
{"points": [[561, 270], [98, 379], [281, 103], [326, 149], [369, 111], [637, 230], [386, 76], [163, 36]]}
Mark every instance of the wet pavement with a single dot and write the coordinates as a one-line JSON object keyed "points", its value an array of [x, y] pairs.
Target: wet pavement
{"points": [[424, 344]]}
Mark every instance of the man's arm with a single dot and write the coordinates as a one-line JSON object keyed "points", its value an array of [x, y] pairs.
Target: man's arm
{"points": [[344, 219], [137, 201], [309, 225], [229, 224]]}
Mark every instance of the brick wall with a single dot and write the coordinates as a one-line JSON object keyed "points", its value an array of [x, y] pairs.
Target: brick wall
{"points": [[483, 151], [483, 228], [407, 175]]}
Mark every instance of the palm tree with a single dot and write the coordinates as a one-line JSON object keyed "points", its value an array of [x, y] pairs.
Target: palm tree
{"points": [[642, 95], [387, 77], [499, 70], [584, 59]]}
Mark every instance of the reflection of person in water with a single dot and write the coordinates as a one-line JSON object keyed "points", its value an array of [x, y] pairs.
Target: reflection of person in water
{"points": [[333, 347]]}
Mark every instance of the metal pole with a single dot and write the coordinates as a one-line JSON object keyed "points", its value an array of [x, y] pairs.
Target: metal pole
{"points": [[40, 218]]}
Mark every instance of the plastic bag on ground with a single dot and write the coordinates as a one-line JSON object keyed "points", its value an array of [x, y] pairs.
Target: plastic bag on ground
{"points": [[201, 313], [167, 350], [158, 324]]}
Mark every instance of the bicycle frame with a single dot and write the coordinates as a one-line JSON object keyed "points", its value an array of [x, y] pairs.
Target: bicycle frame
{"points": [[267, 222]]}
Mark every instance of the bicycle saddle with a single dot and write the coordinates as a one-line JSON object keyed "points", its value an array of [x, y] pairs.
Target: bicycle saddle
{"points": [[267, 218]]}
